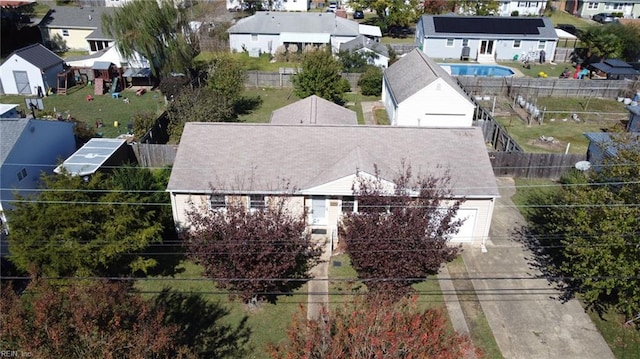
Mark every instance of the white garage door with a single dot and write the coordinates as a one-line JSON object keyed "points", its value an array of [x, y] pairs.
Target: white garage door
{"points": [[465, 234]]}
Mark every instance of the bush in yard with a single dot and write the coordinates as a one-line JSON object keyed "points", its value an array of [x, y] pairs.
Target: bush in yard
{"points": [[374, 328], [407, 227], [320, 76], [371, 81]]}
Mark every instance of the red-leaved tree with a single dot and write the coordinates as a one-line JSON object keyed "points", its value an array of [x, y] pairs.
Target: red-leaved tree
{"points": [[255, 253], [399, 236], [372, 328], [85, 320]]}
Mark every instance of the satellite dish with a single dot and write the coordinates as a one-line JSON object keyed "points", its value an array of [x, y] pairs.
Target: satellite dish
{"points": [[583, 165]]}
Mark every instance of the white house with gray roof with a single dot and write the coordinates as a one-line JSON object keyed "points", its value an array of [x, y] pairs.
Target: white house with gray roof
{"points": [[416, 91], [313, 110], [377, 53], [77, 27], [487, 38], [28, 68], [266, 31], [315, 167], [273, 5]]}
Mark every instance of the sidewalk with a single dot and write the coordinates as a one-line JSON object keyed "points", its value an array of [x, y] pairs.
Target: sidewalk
{"points": [[527, 319]]}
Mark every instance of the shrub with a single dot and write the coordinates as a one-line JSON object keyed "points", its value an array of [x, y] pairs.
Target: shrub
{"points": [[371, 81], [515, 13]]}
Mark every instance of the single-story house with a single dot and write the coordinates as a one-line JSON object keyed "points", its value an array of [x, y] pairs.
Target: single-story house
{"points": [[317, 166], [313, 110], [588, 8], [97, 153], [9, 111], [521, 8], [616, 69], [486, 38], [604, 145], [416, 91], [29, 147], [76, 28], [28, 68], [273, 5], [363, 44], [266, 31]]}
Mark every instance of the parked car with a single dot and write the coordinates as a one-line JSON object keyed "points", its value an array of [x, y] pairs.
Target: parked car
{"points": [[603, 17], [358, 14]]}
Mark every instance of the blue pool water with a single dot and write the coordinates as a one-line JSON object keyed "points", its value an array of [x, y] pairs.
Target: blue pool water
{"points": [[478, 70]]}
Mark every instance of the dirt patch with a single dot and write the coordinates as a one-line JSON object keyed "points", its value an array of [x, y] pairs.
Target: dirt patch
{"points": [[547, 143]]}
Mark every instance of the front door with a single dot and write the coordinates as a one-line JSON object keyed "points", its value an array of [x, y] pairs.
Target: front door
{"points": [[22, 82], [318, 210], [486, 47]]}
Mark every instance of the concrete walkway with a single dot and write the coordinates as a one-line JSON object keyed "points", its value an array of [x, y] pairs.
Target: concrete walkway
{"points": [[318, 287], [367, 111], [527, 319]]}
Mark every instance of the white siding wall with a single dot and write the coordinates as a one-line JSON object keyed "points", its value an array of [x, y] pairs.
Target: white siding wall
{"points": [[437, 105], [503, 49], [17, 63], [76, 39], [387, 100], [381, 61], [507, 7], [236, 42]]}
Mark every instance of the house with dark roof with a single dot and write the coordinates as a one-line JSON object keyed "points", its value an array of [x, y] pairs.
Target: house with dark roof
{"points": [[76, 28], [313, 110], [28, 68], [486, 38], [266, 31], [377, 53], [315, 167], [416, 91], [586, 9], [28, 148]]}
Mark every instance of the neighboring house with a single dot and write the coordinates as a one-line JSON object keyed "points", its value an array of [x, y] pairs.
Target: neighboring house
{"points": [[76, 28], [523, 8], [96, 154], [363, 44], [28, 148], [112, 55], [582, 8], [604, 145], [313, 110], [266, 31], [274, 5], [416, 91], [488, 38], [316, 166], [28, 68], [9, 111]]}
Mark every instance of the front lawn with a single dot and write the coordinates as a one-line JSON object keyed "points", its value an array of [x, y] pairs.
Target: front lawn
{"points": [[563, 17]]}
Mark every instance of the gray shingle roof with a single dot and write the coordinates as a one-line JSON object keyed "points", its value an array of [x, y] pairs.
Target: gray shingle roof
{"points": [[413, 72], [82, 17], [547, 32], [313, 110], [38, 56], [265, 22], [260, 157], [10, 132], [364, 42]]}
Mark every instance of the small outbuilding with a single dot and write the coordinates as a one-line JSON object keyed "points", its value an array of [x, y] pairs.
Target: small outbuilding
{"points": [[29, 68], [616, 69]]}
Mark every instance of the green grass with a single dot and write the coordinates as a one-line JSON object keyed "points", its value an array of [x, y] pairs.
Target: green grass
{"points": [[354, 100], [262, 63], [398, 40], [103, 108], [479, 329], [268, 323], [381, 116], [71, 53], [528, 189], [563, 17], [272, 99], [624, 340], [552, 71]]}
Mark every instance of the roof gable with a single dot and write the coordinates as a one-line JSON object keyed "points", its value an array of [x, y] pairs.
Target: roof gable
{"points": [[265, 22], [414, 72], [362, 41], [10, 132], [266, 156], [39, 56], [313, 110]]}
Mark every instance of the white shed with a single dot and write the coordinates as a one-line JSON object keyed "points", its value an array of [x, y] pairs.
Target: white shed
{"points": [[416, 91], [28, 68]]}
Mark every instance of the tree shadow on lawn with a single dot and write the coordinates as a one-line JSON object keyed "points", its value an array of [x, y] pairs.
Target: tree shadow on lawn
{"points": [[201, 325]]}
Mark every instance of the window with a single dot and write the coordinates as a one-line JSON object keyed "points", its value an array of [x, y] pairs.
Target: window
{"points": [[616, 6], [450, 42], [92, 45], [522, 3], [592, 5], [22, 174], [349, 205], [65, 32], [542, 45], [517, 44], [465, 42], [218, 201], [254, 37], [257, 201]]}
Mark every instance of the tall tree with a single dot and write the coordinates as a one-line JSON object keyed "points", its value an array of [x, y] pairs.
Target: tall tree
{"points": [[479, 7], [226, 77], [374, 328], [84, 227], [613, 40], [408, 228], [390, 13], [320, 76], [589, 230], [257, 252], [158, 30], [437, 7]]}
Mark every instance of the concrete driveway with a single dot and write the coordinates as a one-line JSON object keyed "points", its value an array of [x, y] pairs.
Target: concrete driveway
{"points": [[527, 319]]}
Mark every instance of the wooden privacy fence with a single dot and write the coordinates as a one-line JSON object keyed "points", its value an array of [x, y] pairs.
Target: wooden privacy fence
{"points": [[152, 155], [401, 49], [545, 87], [533, 165], [283, 79]]}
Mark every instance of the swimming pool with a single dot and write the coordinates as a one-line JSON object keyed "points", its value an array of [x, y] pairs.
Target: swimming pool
{"points": [[478, 70]]}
